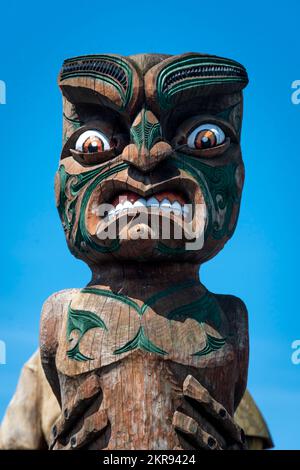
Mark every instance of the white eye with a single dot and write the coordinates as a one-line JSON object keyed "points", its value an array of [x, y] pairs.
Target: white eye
{"points": [[205, 136], [92, 141]]}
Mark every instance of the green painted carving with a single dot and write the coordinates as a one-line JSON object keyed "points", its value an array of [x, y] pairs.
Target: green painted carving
{"points": [[145, 132], [63, 200], [195, 71], [76, 355], [66, 207], [112, 70], [164, 293], [83, 238], [219, 188], [120, 297], [77, 122], [217, 184], [140, 341], [220, 193], [81, 321], [204, 309], [131, 303], [212, 344]]}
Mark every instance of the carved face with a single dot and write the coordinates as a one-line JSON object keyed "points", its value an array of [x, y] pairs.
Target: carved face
{"points": [[150, 138]]}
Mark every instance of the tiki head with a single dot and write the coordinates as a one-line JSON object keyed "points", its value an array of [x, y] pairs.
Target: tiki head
{"points": [[150, 141]]}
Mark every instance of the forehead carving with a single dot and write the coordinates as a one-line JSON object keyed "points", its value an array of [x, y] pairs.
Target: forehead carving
{"points": [[160, 82], [89, 79], [192, 75]]}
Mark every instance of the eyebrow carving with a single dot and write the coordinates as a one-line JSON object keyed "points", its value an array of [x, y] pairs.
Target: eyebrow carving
{"points": [[109, 69], [182, 78]]}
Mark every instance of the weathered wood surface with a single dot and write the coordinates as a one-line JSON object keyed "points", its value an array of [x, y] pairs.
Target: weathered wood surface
{"points": [[162, 132], [32, 412], [140, 390]]}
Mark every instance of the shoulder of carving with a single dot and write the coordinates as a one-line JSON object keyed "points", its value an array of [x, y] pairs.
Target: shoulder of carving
{"points": [[51, 318], [53, 311], [237, 315]]}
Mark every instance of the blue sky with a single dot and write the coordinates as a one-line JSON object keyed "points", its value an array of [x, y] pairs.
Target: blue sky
{"points": [[259, 264]]}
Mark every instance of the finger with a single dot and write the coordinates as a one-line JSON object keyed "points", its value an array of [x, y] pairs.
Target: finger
{"points": [[194, 390], [92, 428], [85, 395], [190, 428], [204, 421]]}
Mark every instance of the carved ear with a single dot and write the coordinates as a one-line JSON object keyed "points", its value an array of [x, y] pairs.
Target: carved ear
{"points": [[187, 76], [108, 80]]}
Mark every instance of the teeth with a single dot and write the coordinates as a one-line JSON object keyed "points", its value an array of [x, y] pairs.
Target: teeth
{"points": [[165, 205], [152, 202], [140, 203], [185, 210], [127, 205], [119, 207], [177, 209]]}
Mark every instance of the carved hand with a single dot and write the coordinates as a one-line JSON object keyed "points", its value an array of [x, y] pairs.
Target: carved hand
{"points": [[204, 423], [81, 422]]}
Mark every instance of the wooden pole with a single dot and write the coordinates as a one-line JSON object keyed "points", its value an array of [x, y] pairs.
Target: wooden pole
{"points": [[148, 188]]}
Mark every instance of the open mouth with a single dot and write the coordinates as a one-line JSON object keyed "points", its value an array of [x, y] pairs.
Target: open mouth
{"points": [[164, 201], [170, 210]]}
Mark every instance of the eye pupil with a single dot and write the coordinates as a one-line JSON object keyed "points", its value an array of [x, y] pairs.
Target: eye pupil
{"points": [[205, 139], [93, 144], [92, 141]]}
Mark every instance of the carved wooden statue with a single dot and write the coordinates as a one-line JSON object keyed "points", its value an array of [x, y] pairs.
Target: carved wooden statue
{"points": [[33, 411], [144, 356]]}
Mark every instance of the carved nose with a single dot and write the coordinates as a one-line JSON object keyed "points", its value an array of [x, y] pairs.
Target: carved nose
{"points": [[147, 148], [145, 159]]}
